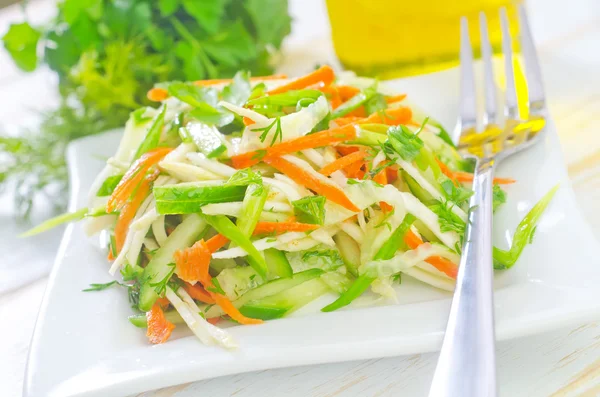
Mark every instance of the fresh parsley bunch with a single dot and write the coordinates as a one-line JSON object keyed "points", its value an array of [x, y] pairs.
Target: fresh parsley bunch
{"points": [[108, 53]]}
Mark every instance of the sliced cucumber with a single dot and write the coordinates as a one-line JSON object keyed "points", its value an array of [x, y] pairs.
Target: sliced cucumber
{"points": [[268, 289], [349, 250], [286, 301], [416, 189], [161, 264], [188, 198], [338, 282], [140, 320], [277, 263]]}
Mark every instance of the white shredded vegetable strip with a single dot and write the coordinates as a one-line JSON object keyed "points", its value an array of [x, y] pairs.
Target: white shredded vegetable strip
{"points": [[315, 157], [235, 208], [323, 235], [353, 230], [188, 172], [205, 331], [261, 245], [158, 229], [362, 222], [424, 183], [378, 158], [137, 241], [288, 191], [145, 220], [245, 112], [179, 153], [120, 166], [399, 263], [95, 225], [302, 191], [150, 244], [431, 279], [211, 165]]}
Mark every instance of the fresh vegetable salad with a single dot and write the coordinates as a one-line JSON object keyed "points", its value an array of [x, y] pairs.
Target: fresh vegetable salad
{"points": [[246, 199]]}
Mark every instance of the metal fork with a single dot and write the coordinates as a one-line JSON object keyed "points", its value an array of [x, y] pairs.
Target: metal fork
{"points": [[467, 362]]}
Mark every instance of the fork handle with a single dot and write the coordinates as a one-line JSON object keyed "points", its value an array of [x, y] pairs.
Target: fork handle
{"points": [[467, 363]]}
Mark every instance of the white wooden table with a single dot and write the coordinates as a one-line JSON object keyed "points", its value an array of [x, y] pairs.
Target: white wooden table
{"points": [[559, 363]]}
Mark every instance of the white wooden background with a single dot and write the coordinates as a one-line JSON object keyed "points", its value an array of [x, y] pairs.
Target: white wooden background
{"points": [[560, 364]]}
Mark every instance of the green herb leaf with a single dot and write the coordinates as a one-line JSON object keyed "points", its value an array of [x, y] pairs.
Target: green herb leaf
{"points": [[403, 142], [270, 19], [168, 7], [216, 288], [498, 197], [310, 209], [100, 287], [21, 42], [131, 272], [448, 220], [193, 95], [109, 185], [207, 13], [289, 98], [244, 177], [456, 194], [238, 91]]}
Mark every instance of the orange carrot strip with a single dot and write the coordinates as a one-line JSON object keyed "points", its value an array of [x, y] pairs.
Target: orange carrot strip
{"points": [[358, 112], [298, 175], [193, 262], [468, 177], [381, 178], [401, 115], [447, 171], [395, 98], [248, 121], [163, 302], [442, 264], [459, 176], [214, 320], [157, 94], [159, 328], [282, 227], [343, 162], [324, 75], [392, 173], [257, 78], [198, 293], [216, 242], [348, 120], [318, 139], [133, 177], [347, 91], [128, 212], [232, 311], [354, 170]]}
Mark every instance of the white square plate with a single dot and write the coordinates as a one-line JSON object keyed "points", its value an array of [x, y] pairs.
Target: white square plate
{"points": [[84, 346]]}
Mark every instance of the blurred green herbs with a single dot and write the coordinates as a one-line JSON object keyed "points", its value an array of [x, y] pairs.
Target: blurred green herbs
{"points": [[109, 53]]}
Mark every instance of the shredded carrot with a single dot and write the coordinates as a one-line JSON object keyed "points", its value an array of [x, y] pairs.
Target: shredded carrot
{"points": [[468, 177], [257, 78], [396, 98], [401, 115], [157, 94], [348, 120], [324, 75], [198, 292], [381, 178], [216, 242], [358, 112], [337, 93], [442, 264], [232, 311], [282, 227], [128, 211], [214, 320], [459, 176], [318, 139], [447, 171], [159, 329], [193, 262], [392, 173], [133, 177], [343, 162], [300, 176], [347, 91], [248, 121], [355, 170], [163, 302]]}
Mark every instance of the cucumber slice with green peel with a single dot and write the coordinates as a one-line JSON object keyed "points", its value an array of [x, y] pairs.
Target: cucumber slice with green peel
{"points": [[188, 198], [161, 266], [140, 320], [277, 263], [416, 189], [286, 301], [338, 282], [268, 289], [349, 251]]}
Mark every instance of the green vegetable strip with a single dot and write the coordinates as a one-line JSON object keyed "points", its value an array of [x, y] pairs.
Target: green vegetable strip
{"points": [[153, 135], [56, 221], [354, 103], [252, 206], [140, 320], [310, 209], [189, 198], [506, 259], [363, 281], [227, 228], [109, 185], [278, 263], [290, 98]]}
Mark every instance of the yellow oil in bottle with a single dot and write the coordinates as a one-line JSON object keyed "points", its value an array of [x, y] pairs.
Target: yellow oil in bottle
{"points": [[393, 38]]}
